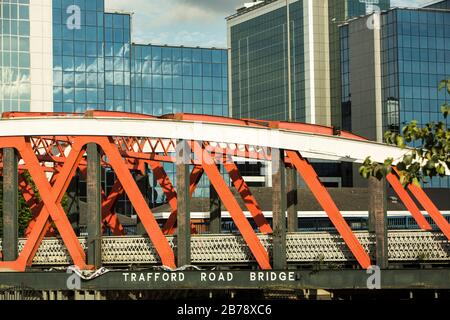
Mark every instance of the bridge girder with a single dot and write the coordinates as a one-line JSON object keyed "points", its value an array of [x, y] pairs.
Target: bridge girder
{"points": [[56, 144]]}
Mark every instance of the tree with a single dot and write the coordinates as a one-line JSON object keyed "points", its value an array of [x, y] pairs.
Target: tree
{"points": [[430, 156], [25, 213]]}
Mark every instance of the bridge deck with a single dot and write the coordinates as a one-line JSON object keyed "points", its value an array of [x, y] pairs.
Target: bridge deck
{"points": [[302, 248]]}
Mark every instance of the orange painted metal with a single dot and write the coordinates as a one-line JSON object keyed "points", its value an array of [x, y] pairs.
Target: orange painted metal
{"points": [[127, 153], [211, 119], [109, 216], [169, 190], [432, 210], [33, 203], [116, 114], [51, 197], [171, 194], [146, 217], [225, 194], [246, 195], [408, 202], [245, 152], [429, 206], [323, 197], [17, 114], [312, 128], [30, 198]]}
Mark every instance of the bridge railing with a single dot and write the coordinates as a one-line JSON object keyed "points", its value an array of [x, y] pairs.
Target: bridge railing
{"points": [[43, 153], [413, 246]]}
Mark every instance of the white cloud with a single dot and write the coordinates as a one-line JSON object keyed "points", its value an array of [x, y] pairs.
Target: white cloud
{"points": [[175, 22], [189, 22]]}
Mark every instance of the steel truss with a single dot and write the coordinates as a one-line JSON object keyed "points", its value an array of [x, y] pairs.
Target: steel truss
{"points": [[47, 164]]}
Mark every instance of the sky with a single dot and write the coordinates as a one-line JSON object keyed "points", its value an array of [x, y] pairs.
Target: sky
{"points": [[188, 22]]}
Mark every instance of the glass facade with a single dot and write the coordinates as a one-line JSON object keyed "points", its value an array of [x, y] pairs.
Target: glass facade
{"points": [[179, 79], [78, 59], [260, 68], [415, 57], [346, 102], [339, 12], [96, 66], [440, 5], [15, 89], [118, 62], [259, 59], [167, 80]]}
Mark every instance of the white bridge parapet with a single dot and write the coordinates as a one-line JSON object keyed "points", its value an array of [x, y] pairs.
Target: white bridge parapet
{"points": [[310, 145]]}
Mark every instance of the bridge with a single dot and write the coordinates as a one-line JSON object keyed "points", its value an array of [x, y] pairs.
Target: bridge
{"points": [[42, 153]]}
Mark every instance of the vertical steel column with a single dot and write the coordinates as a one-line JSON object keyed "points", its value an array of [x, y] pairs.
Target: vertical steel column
{"points": [[371, 189], [94, 205], [73, 194], [144, 185], [378, 218], [215, 211], [292, 201], [183, 204], [278, 210], [10, 205]]}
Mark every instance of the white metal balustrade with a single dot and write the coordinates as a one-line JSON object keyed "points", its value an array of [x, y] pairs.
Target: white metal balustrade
{"points": [[308, 247]]}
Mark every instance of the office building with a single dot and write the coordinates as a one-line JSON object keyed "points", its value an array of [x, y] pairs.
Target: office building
{"points": [[261, 61], [439, 4], [72, 56], [259, 58], [179, 79], [391, 72]]}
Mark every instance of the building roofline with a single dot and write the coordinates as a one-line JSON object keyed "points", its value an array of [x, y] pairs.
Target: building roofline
{"points": [[418, 8], [392, 9], [176, 46], [241, 11], [432, 3], [129, 13]]}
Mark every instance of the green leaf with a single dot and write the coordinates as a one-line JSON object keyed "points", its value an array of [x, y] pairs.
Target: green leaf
{"points": [[440, 170], [416, 182], [401, 166], [408, 159], [445, 109], [443, 84], [429, 158], [400, 141], [402, 179]]}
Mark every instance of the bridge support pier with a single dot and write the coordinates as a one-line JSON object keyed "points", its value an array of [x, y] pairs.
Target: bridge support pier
{"points": [[378, 219], [215, 211], [183, 203], [292, 201], [10, 204], [278, 210], [94, 205]]}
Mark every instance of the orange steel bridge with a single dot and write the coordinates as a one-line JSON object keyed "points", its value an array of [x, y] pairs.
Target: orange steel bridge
{"points": [[42, 152]]}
